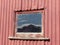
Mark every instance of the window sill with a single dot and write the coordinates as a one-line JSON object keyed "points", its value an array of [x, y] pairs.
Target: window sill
{"points": [[18, 38]]}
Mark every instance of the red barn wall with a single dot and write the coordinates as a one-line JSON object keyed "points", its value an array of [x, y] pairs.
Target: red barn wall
{"points": [[51, 20]]}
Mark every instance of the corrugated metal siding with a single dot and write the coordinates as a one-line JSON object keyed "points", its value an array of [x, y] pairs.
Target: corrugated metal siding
{"points": [[51, 20]]}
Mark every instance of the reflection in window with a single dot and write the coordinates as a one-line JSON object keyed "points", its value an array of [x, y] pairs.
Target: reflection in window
{"points": [[29, 22]]}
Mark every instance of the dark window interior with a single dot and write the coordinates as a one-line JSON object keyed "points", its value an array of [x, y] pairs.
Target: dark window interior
{"points": [[31, 22]]}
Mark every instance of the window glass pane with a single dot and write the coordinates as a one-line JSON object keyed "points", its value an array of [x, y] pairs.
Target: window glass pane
{"points": [[29, 22]]}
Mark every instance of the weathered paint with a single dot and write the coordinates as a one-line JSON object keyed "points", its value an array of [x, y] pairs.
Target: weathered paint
{"points": [[51, 20]]}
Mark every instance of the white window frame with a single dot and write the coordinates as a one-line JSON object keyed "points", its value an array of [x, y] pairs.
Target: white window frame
{"points": [[26, 35]]}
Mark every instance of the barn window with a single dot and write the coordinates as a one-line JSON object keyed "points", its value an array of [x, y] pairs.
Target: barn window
{"points": [[29, 24]]}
